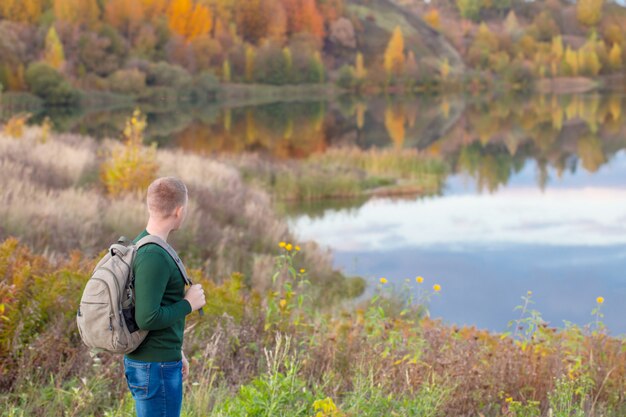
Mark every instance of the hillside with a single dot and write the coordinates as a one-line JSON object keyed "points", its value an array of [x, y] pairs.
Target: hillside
{"points": [[185, 49]]}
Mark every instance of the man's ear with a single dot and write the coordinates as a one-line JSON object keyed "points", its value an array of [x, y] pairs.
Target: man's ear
{"points": [[179, 211]]}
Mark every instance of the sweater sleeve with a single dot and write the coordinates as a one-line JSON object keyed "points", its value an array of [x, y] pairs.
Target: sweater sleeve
{"points": [[152, 274]]}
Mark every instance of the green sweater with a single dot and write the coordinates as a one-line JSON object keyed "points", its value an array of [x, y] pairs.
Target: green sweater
{"points": [[160, 306]]}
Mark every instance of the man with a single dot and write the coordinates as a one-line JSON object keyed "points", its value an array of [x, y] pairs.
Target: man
{"points": [[155, 370]]}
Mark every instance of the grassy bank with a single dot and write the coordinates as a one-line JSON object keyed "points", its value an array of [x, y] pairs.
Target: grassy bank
{"points": [[351, 172], [278, 353]]}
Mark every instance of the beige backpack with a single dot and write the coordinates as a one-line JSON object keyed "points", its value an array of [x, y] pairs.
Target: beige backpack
{"points": [[106, 314]]}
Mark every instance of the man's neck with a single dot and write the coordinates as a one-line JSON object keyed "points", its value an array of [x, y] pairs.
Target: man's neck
{"points": [[159, 230]]}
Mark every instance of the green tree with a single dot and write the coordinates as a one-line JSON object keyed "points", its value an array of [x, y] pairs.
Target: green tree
{"points": [[47, 83], [469, 9]]}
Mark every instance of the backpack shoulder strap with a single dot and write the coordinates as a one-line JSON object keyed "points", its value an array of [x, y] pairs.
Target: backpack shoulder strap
{"points": [[158, 241]]}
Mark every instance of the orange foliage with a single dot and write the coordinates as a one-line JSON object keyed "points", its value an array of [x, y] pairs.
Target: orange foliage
{"points": [[432, 18], [304, 16], [189, 20], [123, 14], [27, 11]]}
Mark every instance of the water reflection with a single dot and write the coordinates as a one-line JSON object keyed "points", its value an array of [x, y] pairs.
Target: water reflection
{"points": [[490, 138], [566, 243]]}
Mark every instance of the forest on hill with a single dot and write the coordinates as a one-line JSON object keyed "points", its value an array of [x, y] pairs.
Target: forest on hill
{"points": [[155, 49]]}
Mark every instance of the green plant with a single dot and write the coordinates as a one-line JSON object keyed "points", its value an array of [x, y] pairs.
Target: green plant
{"points": [[521, 409], [570, 396], [279, 391], [285, 303]]}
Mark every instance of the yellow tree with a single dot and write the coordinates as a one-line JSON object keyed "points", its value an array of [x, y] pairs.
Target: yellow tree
{"points": [[556, 51], [394, 54], [226, 73], [359, 68], [78, 12], [615, 56], [130, 167], [249, 62], [189, 20], [557, 48], [571, 60], [589, 12], [54, 55]]}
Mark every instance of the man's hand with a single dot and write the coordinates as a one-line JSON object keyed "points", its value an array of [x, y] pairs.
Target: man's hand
{"points": [[195, 297], [185, 366]]}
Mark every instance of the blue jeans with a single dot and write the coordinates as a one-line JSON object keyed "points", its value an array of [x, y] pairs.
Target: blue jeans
{"points": [[157, 387]]}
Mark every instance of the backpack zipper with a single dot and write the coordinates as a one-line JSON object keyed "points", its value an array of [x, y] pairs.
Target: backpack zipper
{"points": [[117, 287]]}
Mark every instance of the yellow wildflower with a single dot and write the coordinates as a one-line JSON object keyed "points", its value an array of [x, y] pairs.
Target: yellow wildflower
{"points": [[419, 280], [529, 292], [282, 244], [297, 247], [437, 287], [383, 280], [283, 303], [509, 399], [302, 270], [600, 300], [288, 246]]}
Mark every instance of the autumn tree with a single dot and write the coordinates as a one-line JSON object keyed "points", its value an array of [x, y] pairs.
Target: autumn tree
{"points": [[277, 23], [512, 26], [556, 54], [359, 68], [432, 18], [394, 54], [189, 20], [27, 11], [571, 61], [54, 55], [125, 15], [304, 16], [79, 12], [249, 63], [589, 12], [588, 60], [226, 73], [253, 19], [615, 56]]}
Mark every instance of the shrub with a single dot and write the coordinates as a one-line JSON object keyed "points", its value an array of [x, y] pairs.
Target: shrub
{"points": [[47, 83], [131, 167], [168, 75], [15, 126], [127, 81], [203, 87], [271, 66], [346, 77]]}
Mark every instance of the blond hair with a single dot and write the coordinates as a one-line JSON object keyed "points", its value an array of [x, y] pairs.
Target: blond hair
{"points": [[165, 195]]}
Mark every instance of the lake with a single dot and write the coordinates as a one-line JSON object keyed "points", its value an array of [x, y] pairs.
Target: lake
{"points": [[534, 198]]}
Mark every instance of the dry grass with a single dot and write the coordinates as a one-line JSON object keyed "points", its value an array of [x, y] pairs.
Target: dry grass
{"points": [[51, 198]]}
